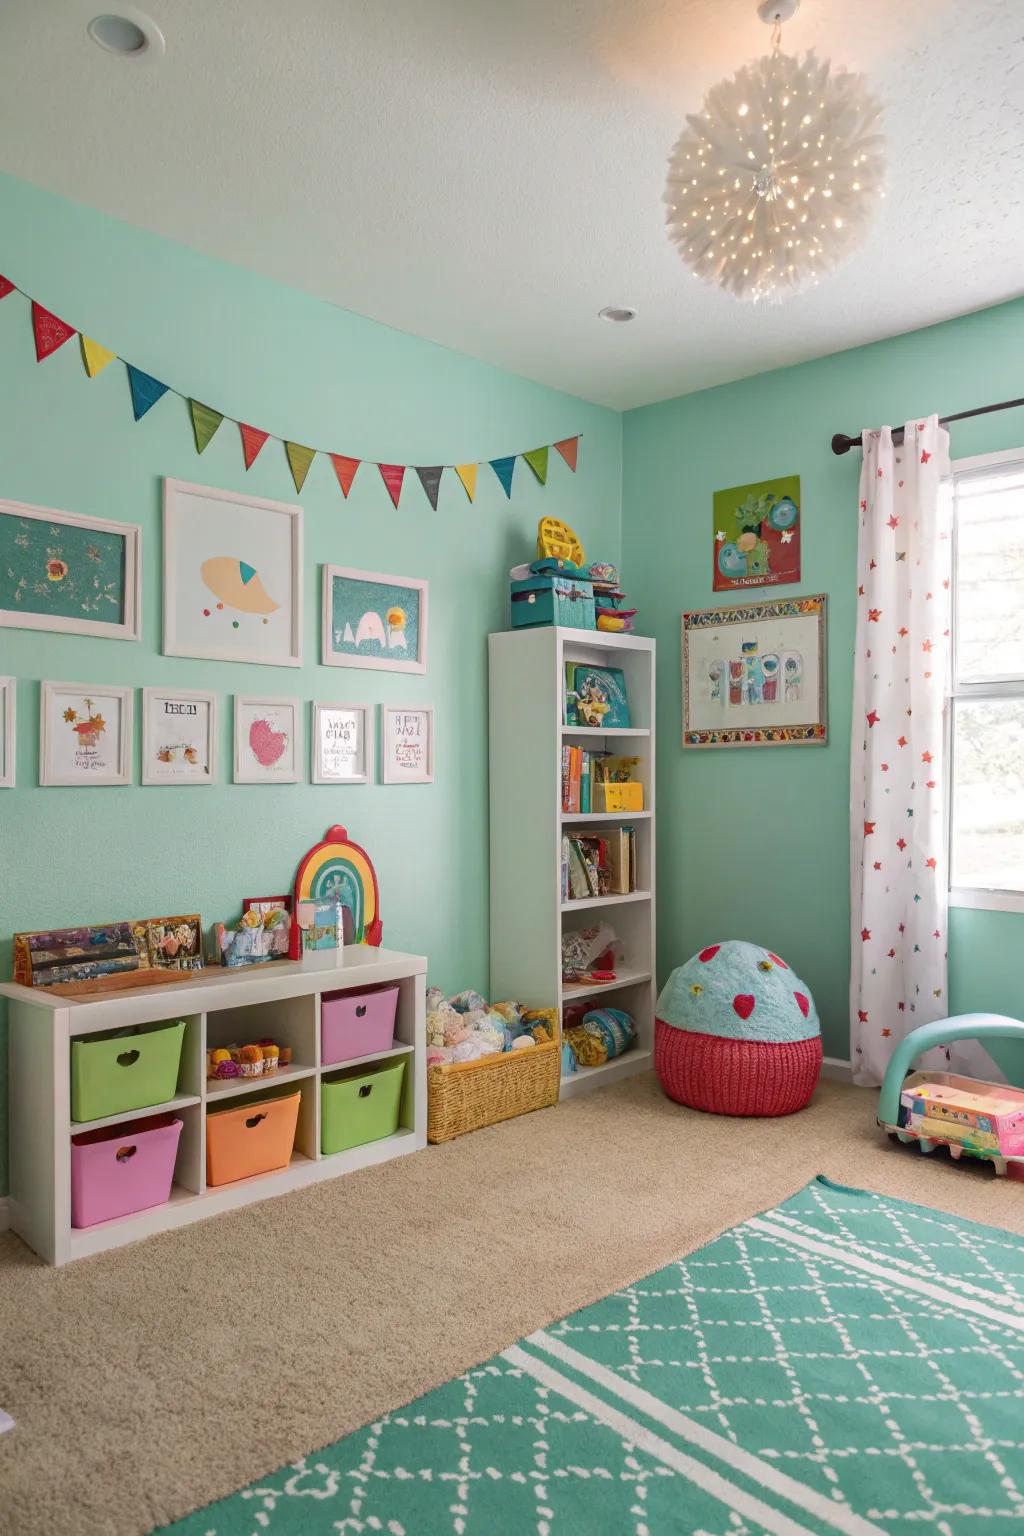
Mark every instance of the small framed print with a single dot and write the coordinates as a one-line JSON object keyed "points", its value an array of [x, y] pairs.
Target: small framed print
{"points": [[179, 736], [7, 702], [266, 740], [408, 745], [342, 744], [375, 621], [77, 575], [85, 734]]}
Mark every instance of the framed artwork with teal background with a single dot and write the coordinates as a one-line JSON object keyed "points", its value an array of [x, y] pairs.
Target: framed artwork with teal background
{"points": [[374, 621], [61, 571]]}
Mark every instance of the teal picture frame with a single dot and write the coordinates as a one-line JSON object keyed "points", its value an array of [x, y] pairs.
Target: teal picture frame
{"points": [[374, 621], [70, 573]]}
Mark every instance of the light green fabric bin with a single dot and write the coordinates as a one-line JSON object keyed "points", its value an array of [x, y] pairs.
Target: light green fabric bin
{"points": [[360, 1105], [130, 1070]]}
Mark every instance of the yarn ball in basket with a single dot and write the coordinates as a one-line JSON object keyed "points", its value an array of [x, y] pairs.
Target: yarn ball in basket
{"points": [[737, 1033]]}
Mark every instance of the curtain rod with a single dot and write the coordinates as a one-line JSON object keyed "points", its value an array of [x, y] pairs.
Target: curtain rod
{"points": [[842, 444]]}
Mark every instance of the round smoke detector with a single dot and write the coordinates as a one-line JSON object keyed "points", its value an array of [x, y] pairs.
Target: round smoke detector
{"points": [[127, 33], [617, 314]]}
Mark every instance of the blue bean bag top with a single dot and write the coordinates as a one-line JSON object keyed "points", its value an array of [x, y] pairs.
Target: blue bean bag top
{"points": [[739, 991]]}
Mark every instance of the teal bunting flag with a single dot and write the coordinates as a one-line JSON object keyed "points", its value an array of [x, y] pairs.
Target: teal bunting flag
{"points": [[504, 468], [146, 390]]}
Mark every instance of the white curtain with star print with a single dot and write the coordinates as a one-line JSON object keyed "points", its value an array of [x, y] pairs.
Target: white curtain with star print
{"points": [[898, 880]]}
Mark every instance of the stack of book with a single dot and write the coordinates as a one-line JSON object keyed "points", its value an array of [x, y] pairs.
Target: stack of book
{"points": [[600, 781], [599, 863]]}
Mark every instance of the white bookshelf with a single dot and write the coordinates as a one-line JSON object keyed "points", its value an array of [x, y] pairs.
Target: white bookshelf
{"points": [[528, 915], [280, 999]]}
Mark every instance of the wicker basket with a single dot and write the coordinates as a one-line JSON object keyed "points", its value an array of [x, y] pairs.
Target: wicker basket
{"points": [[467, 1095]]}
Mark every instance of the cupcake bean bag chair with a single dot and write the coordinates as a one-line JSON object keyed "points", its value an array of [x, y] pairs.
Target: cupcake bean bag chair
{"points": [[737, 1033]]}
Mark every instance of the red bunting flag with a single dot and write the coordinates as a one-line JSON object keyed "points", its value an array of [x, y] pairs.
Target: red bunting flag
{"points": [[252, 441], [6, 287], [393, 475], [569, 447], [50, 332], [345, 469]]}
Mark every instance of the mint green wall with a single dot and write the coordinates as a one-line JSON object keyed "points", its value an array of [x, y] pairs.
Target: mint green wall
{"points": [[307, 370], [753, 843]]}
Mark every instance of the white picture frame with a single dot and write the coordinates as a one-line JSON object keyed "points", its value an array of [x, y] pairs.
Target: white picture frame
{"points": [[408, 744], [356, 627], [252, 757], [8, 704], [70, 754], [342, 733], [238, 543], [60, 559], [182, 722]]}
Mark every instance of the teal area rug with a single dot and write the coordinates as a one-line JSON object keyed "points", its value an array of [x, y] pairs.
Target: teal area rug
{"points": [[842, 1363]]}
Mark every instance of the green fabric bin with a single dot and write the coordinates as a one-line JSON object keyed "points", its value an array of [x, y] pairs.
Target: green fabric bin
{"points": [[360, 1105], [132, 1069]]}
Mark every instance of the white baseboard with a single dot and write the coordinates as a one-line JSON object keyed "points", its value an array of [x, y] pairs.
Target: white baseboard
{"points": [[5, 1213], [837, 1070]]}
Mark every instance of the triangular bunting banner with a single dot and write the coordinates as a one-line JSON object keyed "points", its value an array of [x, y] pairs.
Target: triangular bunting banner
{"points": [[6, 287], [299, 458], [252, 441], [467, 474], [50, 332], [204, 423], [504, 469], [537, 458], [345, 469], [146, 390], [430, 479], [569, 447], [393, 475], [94, 356]]}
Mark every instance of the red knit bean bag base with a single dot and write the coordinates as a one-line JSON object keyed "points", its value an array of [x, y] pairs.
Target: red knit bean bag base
{"points": [[735, 1077]]}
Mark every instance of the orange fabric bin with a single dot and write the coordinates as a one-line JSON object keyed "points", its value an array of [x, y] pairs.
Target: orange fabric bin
{"points": [[256, 1137]]}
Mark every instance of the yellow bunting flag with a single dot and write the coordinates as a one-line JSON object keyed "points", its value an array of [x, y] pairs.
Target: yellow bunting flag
{"points": [[94, 356], [299, 460], [467, 474], [537, 458], [205, 422]]}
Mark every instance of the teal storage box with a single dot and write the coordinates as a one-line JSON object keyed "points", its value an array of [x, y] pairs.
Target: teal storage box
{"points": [[129, 1070], [360, 1105], [563, 600]]}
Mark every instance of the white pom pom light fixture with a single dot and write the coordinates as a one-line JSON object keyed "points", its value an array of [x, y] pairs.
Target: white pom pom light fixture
{"points": [[775, 181]]}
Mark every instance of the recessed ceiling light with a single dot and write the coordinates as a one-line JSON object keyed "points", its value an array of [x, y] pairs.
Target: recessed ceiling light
{"points": [[617, 314], [129, 34]]}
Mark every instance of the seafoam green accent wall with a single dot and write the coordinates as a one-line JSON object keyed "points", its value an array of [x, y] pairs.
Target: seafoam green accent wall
{"points": [[304, 369], [753, 843]]}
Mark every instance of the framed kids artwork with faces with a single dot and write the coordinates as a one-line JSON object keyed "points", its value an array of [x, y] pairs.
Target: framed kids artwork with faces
{"points": [[179, 736]]}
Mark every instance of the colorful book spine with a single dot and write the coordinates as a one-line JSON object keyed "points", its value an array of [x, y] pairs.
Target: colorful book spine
{"points": [[585, 785]]}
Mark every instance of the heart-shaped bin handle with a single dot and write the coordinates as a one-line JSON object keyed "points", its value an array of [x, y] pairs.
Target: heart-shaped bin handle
{"points": [[253, 1121], [360, 1010], [127, 1058], [366, 1090], [124, 1153]]}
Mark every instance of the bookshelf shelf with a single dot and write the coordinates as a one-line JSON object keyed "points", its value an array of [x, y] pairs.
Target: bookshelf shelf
{"points": [[528, 915]]}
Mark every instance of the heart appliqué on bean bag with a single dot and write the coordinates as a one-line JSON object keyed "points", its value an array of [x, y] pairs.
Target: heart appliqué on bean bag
{"points": [[743, 1003], [803, 1003], [709, 953]]}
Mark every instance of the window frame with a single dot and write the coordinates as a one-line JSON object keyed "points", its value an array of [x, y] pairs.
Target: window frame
{"points": [[984, 898]]}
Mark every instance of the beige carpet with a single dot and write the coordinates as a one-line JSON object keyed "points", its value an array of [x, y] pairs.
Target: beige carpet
{"points": [[147, 1382]]}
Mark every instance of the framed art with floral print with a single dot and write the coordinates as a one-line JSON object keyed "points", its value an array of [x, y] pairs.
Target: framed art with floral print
{"points": [[755, 676], [85, 734], [61, 571]]}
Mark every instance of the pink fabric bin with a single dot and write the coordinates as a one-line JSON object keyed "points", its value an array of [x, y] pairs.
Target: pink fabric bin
{"points": [[119, 1169], [356, 1023]]}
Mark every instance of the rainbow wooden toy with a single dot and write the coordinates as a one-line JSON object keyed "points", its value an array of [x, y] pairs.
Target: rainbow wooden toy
{"points": [[942, 1109], [339, 870]]}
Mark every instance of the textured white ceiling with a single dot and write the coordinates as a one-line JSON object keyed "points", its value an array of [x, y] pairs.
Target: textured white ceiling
{"points": [[488, 173]]}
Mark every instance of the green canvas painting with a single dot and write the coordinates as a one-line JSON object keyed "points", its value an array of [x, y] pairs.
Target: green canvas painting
{"points": [[756, 534], [62, 570], [376, 621]]}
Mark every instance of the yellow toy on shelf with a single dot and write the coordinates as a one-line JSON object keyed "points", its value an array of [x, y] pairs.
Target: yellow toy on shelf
{"points": [[557, 541]]}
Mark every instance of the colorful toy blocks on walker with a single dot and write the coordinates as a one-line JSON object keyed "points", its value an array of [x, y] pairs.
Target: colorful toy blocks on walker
{"points": [[980, 1118]]}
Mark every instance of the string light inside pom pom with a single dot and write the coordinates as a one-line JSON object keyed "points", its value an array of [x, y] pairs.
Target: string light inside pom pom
{"points": [[775, 181]]}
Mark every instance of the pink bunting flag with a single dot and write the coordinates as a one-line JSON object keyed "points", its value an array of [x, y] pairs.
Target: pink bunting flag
{"points": [[393, 475], [252, 441], [6, 287], [345, 469], [50, 333], [569, 447]]}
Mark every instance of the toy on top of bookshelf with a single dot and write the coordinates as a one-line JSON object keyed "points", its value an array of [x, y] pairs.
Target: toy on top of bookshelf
{"points": [[262, 934], [595, 697], [557, 539], [337, 871], [557, 588]]}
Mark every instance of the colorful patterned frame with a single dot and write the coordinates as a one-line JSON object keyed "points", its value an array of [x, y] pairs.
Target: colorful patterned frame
{"points": [[340, 868], [814, 733]]}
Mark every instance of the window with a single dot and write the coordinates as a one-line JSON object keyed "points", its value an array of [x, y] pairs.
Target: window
{"points": [[987, 708]]}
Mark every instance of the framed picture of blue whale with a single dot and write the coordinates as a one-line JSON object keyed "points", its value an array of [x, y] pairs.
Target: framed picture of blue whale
{"points": [[232, 576], [374, 621]]}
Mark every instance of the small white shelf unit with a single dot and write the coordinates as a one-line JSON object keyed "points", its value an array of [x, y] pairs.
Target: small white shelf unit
{"points": [[280, 999], [528, 915]]}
